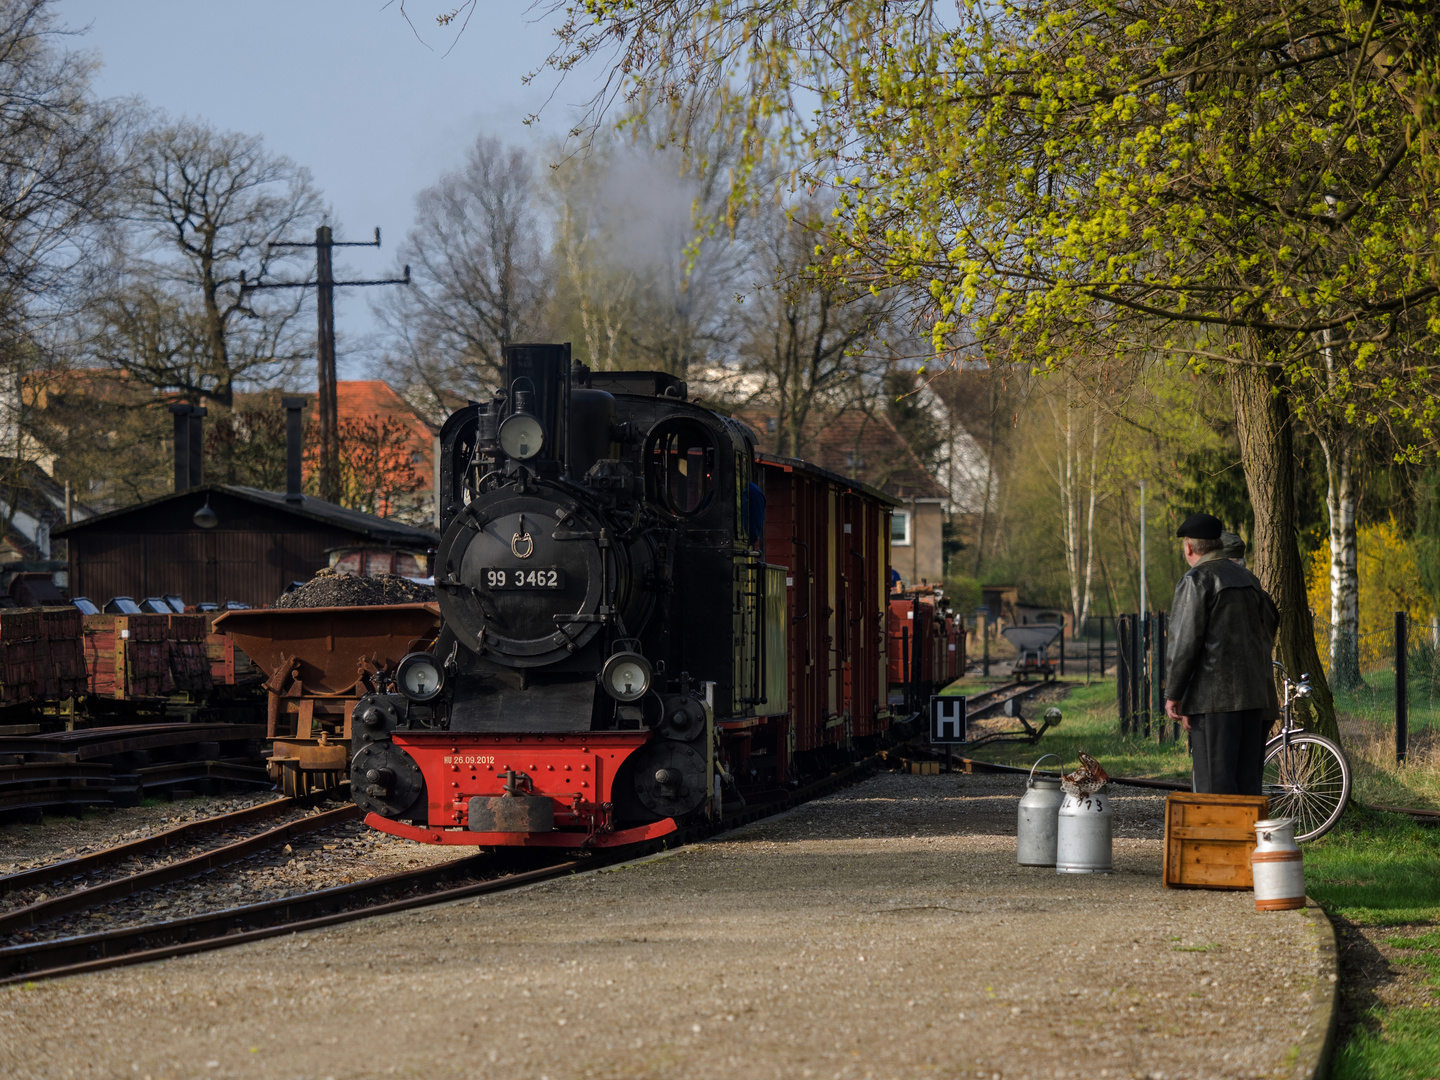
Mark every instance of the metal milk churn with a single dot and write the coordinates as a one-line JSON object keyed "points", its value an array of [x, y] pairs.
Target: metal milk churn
{"points": [[1035, 833], [1278, 866], [1083, 839]]}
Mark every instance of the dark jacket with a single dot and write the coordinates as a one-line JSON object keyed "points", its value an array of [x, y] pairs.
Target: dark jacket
{"points": [[1220, 636]]}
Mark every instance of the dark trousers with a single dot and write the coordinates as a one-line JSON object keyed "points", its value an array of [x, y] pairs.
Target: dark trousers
{"points": [[1229, 751]]}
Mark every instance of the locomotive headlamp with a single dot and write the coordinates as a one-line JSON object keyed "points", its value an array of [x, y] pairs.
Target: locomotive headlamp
{"points": [[521, 436], [420, 676], [626, 676]]}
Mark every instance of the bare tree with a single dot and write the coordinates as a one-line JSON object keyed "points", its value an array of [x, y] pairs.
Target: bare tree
{"points": [[56, 171], [803, 333], [478, 280], [596, 284], [204, 208]]}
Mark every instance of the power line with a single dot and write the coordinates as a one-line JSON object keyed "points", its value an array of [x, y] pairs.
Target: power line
{"points": [[325, 285]]}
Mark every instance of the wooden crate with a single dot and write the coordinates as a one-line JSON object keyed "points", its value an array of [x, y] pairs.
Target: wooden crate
{"points": [[1209, 838]]}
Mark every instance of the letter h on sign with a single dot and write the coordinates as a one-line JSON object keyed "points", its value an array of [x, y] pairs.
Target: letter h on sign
{"points": [[947, 720]]}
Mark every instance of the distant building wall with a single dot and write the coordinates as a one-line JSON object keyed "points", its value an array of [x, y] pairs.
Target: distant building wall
{"points": [[917, 549]]}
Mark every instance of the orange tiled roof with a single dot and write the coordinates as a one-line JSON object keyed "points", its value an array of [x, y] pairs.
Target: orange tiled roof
{"points": [[356, 398]]}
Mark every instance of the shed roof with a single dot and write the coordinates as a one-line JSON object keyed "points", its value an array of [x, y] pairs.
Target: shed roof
{"points": [[372, 528]]}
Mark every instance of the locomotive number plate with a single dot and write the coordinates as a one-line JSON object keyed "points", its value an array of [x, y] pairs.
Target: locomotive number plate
{"points": [[536, 577]]}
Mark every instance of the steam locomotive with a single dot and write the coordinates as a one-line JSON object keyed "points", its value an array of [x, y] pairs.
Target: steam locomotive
{"points": [[638, 610]]}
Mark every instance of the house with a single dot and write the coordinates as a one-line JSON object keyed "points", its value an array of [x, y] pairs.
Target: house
{"points": [[867, 447], [31, 505]]}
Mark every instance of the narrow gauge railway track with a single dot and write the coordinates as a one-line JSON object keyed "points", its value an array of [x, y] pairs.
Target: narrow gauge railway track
{"points": [[989, 702], [975, 765], [181, 835], [390, 893], [201, 863]]}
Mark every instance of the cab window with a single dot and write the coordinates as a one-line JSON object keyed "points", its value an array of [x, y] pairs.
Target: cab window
{"points": [[683, 462]]}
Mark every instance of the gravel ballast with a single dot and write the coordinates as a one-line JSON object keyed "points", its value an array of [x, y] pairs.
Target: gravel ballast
{"points": [[331, 589], [882, 932]]}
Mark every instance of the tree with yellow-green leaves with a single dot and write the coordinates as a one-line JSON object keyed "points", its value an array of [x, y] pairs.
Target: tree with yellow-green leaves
{"points": [[1247, 187]]}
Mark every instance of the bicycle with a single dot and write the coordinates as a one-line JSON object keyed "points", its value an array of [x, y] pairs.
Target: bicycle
{"points": [[1306, 776]]}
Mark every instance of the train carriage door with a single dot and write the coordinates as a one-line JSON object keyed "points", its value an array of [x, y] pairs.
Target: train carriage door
{"points": [[853, 560], [833, 601], [883, 606]]}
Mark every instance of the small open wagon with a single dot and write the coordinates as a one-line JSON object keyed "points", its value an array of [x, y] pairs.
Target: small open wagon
{"points": [[1032, 645]]}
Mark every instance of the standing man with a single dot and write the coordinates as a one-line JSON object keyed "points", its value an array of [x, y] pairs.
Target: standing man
{"points": [[1218, 682]]}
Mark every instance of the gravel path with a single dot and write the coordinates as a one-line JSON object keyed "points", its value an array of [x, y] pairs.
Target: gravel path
{"points": [[884, 932]]}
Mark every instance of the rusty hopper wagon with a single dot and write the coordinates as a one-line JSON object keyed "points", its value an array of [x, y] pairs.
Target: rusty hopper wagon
{"points": [[318, 662], [1032, 645]]}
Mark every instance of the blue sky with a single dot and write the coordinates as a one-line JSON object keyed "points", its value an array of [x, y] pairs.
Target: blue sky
{"points": [[341, 86]]}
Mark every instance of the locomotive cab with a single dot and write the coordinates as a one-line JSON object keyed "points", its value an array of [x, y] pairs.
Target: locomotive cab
{"points": [[570, 697]]}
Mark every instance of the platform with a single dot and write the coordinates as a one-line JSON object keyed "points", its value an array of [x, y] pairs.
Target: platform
{"points": [[883, 932]]}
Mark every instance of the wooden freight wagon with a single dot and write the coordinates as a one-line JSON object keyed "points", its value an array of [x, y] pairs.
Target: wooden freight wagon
{"points": [[127, 656], [189, 660], [830, 534], [20, 630], [62, 664]]}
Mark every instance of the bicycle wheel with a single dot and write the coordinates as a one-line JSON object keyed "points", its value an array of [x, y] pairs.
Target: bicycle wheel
{"points": [[1308, 780]]}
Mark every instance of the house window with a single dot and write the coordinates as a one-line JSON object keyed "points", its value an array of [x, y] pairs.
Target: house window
{"points": [[853, 460], [900, 528], [771, 423]]}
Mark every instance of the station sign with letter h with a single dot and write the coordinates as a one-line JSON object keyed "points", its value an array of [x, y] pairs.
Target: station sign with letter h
{"points": [[947, 721]]}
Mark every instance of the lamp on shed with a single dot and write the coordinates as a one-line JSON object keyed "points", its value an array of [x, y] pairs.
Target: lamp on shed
{"points": [[205, 517]]}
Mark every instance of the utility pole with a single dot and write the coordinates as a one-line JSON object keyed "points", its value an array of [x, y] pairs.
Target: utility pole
{"points": [[325, 284], [1144, 595]]}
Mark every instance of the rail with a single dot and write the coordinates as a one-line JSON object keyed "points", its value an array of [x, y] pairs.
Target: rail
{"points": [[345, 903]]}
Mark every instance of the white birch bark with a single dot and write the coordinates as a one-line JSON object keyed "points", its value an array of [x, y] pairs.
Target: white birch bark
{"points": [[1340, 502]]}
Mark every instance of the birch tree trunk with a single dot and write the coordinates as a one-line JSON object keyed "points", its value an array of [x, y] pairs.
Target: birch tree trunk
{"points": [[1077, 506], [1266, 430], [1084, 612], [1340, 501]]}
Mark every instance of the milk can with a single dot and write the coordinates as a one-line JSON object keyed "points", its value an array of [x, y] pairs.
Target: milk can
{"points": [[1039, 809], [1278, 866], [1084, 834]]}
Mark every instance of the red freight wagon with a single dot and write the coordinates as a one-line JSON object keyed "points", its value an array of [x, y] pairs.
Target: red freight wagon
{"points": [[926, 649], [829, 535]]}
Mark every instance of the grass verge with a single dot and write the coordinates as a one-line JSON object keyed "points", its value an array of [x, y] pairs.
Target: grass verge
{"points": [[1378, 876]]}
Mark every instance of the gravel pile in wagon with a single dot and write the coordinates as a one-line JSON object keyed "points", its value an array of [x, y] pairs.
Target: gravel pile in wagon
{"points": [[329, 589]]}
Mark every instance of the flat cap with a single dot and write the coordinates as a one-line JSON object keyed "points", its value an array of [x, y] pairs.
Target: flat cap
{"points": [[1232, 545], [1200, 527]]}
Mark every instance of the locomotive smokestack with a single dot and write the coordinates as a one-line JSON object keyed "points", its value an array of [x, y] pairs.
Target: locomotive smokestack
{"points": [[294, 447]]}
